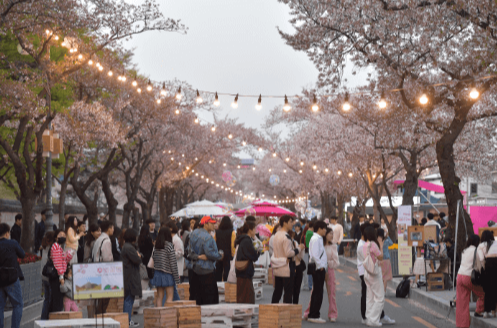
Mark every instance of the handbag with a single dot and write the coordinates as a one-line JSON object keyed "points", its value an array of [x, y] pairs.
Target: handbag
{"points": [[49, 270], [232, 273], [151, 263], [369, 265], [143, 272], [241, 265], [476, 276]]}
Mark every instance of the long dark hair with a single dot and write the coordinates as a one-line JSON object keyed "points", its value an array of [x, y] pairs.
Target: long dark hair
{"points": [[473, 240], [48, 239], [381, 233], [247, 226], [144, 234], [70, 224], [488, 237], [275, 228], [370, 235], [328, 230], [185, 226], [225, 224], [164, 235], [89, 237]]}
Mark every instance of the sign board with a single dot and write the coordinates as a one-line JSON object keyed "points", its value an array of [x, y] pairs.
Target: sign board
{"points": [[98, 280], [404, 219], [415, 236]]}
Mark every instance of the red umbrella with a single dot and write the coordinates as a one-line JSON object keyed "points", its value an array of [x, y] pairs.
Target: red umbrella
{"points": [[265, 209]]}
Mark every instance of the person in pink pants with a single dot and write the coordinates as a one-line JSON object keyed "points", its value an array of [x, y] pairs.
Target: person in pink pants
{"points": [[333, 263], [465, 287]]}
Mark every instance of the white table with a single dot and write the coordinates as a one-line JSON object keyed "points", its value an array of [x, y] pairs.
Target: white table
{"points": [[77, 323]]}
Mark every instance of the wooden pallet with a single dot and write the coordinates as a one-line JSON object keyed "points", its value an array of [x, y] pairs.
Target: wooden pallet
{"points": [[280, 315], [65, 315], [185, 287], [258, 293], [147, 300], [225, 322], [260, 275], [230, 310]]}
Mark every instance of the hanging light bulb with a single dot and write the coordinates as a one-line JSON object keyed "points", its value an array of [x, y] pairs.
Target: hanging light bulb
{"points": [[80, 56], [314, 166], [163, 91], [350, 175], [213, 128], [196, 120], [48, 32], [382, 103], [177, 111], [269, 170], [284, 171], [339, 172], [244, 143], [224, 164], [253, 169], [149, 86], [90, 62], [274, 154], [302, 163], [216, 100], [287, 106], [199, 99], [110, 72], [474, 93], [326, 170], [259, 103], [234, 104], [139, 90], [300, 171], [230, 136], [56, 38], [315, 106], [158, 100], [423, 100], [123, 77], [287, 159], [346, 105], [100, 68], [260, 148], [178, 94]]}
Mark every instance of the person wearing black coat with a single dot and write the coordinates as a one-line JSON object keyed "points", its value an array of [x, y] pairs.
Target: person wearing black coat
{"points": [[246, 252], [223, 241], [15, 232], [131, 264], [146, 246]]}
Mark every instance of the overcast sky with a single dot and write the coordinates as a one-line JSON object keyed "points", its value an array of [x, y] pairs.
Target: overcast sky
{"points": [[231, 46]]}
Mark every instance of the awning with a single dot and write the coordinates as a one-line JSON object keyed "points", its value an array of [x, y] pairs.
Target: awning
{"points": [[427, 185]]}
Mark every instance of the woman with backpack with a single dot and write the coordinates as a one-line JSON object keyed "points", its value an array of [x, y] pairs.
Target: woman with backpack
{"points": [[246, 255], [465, 286]]}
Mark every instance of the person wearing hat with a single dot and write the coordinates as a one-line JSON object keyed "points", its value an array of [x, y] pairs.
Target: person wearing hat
{"points": [[203, 269]]}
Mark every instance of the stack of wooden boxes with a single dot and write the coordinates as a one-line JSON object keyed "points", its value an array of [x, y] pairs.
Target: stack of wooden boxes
{"points": [[65, 315], [115, 305], [187, 312], [160, 318], [435, 282], [230, 293], [122, 318], [280, 315], [185, 290]]}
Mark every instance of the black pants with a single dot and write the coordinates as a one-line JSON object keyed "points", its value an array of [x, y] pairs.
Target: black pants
{"points": [[363, 300], [222, 270], [317, 293], [207, 289], [193, 285], [489, 284], [56, 297], [297, 282], [283, 285]]}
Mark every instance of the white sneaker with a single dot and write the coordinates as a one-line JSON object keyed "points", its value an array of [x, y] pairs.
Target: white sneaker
{"points": [[304, 318], [364, 321], [333, 320], [133, 324], [316, 320], [387, 320], [373, 324]]}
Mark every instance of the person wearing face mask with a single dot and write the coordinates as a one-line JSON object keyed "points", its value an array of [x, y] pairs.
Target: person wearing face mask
{"points": [[60, 260]]}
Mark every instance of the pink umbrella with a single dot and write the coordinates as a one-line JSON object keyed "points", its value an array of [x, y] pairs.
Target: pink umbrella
{"points": [[266, 210]]}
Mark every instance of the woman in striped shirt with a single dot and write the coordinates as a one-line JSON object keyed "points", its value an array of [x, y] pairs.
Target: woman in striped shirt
{"points": [[60, 260], [166, 269]]}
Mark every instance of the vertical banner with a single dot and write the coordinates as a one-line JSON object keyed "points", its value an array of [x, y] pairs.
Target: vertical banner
{"points": [[404, 219]]}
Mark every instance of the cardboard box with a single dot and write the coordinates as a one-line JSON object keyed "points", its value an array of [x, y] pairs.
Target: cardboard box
{"points": [[229, 293], [160, 317], [280, 315]]}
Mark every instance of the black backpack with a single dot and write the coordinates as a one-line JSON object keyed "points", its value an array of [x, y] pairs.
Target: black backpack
{"points": [[403, 288]]}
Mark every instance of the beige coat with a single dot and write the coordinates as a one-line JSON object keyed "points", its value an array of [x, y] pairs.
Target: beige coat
{"points": [[282, 248]]}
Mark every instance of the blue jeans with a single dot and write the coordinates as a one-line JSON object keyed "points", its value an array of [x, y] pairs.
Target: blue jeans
{"points": [[128, 304], [14, 293], [46, 301], [175, 296], [309, 277]]}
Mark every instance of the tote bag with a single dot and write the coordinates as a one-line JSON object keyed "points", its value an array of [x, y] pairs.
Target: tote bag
{"points": [[369, 265], [232, 273]]}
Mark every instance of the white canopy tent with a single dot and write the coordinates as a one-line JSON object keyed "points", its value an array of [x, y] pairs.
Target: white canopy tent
{"points": [[201, 208]]}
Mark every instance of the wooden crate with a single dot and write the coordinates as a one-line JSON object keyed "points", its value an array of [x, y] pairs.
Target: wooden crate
{"points": [[160, 317], [115, 305], [230, 293], [435, 282], [185, 287], [189, 315], [65, 315], [280, 315], [119, 316]]}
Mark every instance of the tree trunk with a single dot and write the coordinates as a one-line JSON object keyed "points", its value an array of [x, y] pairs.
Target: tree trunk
{"points": [[127, 208], [111, 200], [62, 203], [446, 164], [28, 224], [136, 219], [411, 182]]}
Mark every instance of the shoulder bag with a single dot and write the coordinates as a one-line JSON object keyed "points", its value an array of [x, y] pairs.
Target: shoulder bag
{"points": [[369, 265], [476, 276], [151, 263], [49, 270], [232, 273]]}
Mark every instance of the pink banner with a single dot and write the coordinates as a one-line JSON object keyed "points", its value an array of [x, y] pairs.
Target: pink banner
{"points": [[480, 215]]}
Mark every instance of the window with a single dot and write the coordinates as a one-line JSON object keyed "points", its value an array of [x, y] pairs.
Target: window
{"points": [[494, 187], [474, 189]]}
